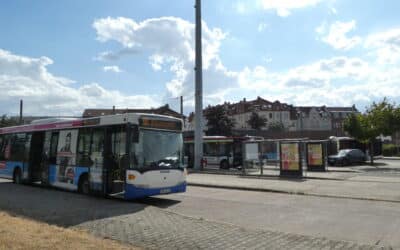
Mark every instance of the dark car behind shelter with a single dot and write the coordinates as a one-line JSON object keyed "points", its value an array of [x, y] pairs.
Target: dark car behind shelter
{"points": [[347, 157]]}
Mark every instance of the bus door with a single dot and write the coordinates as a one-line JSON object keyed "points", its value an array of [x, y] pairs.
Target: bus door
{"points": [[97, 170], [115, 160], [49, 155], [35, 154]]}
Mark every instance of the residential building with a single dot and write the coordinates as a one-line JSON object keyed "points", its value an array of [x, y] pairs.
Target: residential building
{"points": [[274, 112], [293, 118], [313, 118], [338, 116]]}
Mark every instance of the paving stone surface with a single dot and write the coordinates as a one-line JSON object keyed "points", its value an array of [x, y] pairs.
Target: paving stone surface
{"points": [[153, 228], [147, 226]]}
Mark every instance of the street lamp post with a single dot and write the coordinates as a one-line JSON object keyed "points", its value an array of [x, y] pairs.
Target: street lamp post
{"points": [[198, 131]]}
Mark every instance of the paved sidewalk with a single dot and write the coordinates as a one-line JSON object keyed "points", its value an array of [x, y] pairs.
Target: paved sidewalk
{"points": [[356, 187], [152, 228], [332, 173]]}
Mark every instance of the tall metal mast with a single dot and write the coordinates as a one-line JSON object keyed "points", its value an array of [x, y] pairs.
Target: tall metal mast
{"points": [[198, 131]]}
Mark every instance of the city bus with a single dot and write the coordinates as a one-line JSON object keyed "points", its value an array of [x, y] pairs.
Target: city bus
{"points": [[124, 155], [220, 151]]}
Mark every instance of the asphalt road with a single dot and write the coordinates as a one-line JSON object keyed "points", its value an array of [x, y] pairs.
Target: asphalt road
{"points": [[365, 222]]}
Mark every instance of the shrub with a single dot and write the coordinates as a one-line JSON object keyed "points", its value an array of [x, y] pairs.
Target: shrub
{"points": [[390, 150]]}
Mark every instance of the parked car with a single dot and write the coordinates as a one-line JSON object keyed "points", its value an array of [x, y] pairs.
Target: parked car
{"points": [[347, 157]]}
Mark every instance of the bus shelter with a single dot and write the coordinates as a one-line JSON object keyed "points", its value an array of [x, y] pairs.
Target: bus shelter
{"points": [[284, 157]]}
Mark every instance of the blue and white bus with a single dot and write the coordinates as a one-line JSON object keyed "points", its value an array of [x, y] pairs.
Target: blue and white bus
{"points": [[126, 155]]}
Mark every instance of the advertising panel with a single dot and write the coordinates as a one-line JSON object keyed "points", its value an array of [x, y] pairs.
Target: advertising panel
{"points": [[290, 157], [251, 150], [66, 158], [314, 154]]}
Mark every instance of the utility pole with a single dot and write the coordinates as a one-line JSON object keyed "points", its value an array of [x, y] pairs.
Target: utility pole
{"points": [[21, 105], [182, 105], [198, 131]]}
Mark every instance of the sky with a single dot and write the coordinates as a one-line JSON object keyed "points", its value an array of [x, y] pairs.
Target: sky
{"points": [[63, 56]]}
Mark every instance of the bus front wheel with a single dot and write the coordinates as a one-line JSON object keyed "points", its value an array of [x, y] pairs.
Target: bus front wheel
{"points": [[224, 164], [17, 176]]}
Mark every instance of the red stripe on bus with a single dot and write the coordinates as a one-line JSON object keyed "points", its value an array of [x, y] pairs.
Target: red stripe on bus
{"points": [[39, 127]]}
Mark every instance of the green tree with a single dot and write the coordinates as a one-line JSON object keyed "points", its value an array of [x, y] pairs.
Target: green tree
{"points": [[218, 121], [256, 121], [276, 127], [380, 118], [8, 121]]}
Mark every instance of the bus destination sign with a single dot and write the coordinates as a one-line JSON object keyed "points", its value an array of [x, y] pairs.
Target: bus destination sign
{"points": [[160, 124]]}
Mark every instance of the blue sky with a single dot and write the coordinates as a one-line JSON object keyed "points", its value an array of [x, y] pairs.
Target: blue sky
{"points": [[64, 56]]}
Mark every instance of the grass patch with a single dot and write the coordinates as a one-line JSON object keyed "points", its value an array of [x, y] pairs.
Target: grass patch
{"points": [[23, 233]]}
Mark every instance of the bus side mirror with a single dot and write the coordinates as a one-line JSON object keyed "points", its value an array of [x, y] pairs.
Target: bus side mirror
{"points": [[135, 133]]}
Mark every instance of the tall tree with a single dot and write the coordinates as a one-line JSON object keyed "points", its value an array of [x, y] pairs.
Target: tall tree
{"points": [[8, 121], [276, 127], [380, 118], [218, 121], [256, 121]]}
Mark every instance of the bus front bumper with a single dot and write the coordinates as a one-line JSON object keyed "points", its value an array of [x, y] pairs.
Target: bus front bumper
{"points": [[134, 192]]}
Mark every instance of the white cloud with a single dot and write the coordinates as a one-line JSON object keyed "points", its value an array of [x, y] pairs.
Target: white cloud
{"points": [[43, 93], [170, 43], [332, 81], [336, 35], [316, 75], [112, 68], [112, 56], [385, 45], [283, 7]]}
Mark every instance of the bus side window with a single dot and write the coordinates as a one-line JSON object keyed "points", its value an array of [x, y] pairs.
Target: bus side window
{"points": [[2, 146], [18, 147], [97, 147], [27, 150], [5, 150], [53, 148], [84, 140]]}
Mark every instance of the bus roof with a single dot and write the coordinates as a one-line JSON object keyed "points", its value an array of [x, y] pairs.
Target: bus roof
{"points": [[83, 122]]}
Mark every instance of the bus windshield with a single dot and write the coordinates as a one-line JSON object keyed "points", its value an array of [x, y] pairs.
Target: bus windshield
{"points": [[157, 149]]}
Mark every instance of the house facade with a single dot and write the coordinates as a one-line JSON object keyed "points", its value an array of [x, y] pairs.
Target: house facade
{"points": [[292, 118], [273, 112]]}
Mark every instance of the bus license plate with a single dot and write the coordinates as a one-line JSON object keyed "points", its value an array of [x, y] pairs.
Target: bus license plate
{"points": [[165, 191]]}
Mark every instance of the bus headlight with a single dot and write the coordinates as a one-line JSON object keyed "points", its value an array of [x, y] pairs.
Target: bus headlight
{"points": [[131, 177]]}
